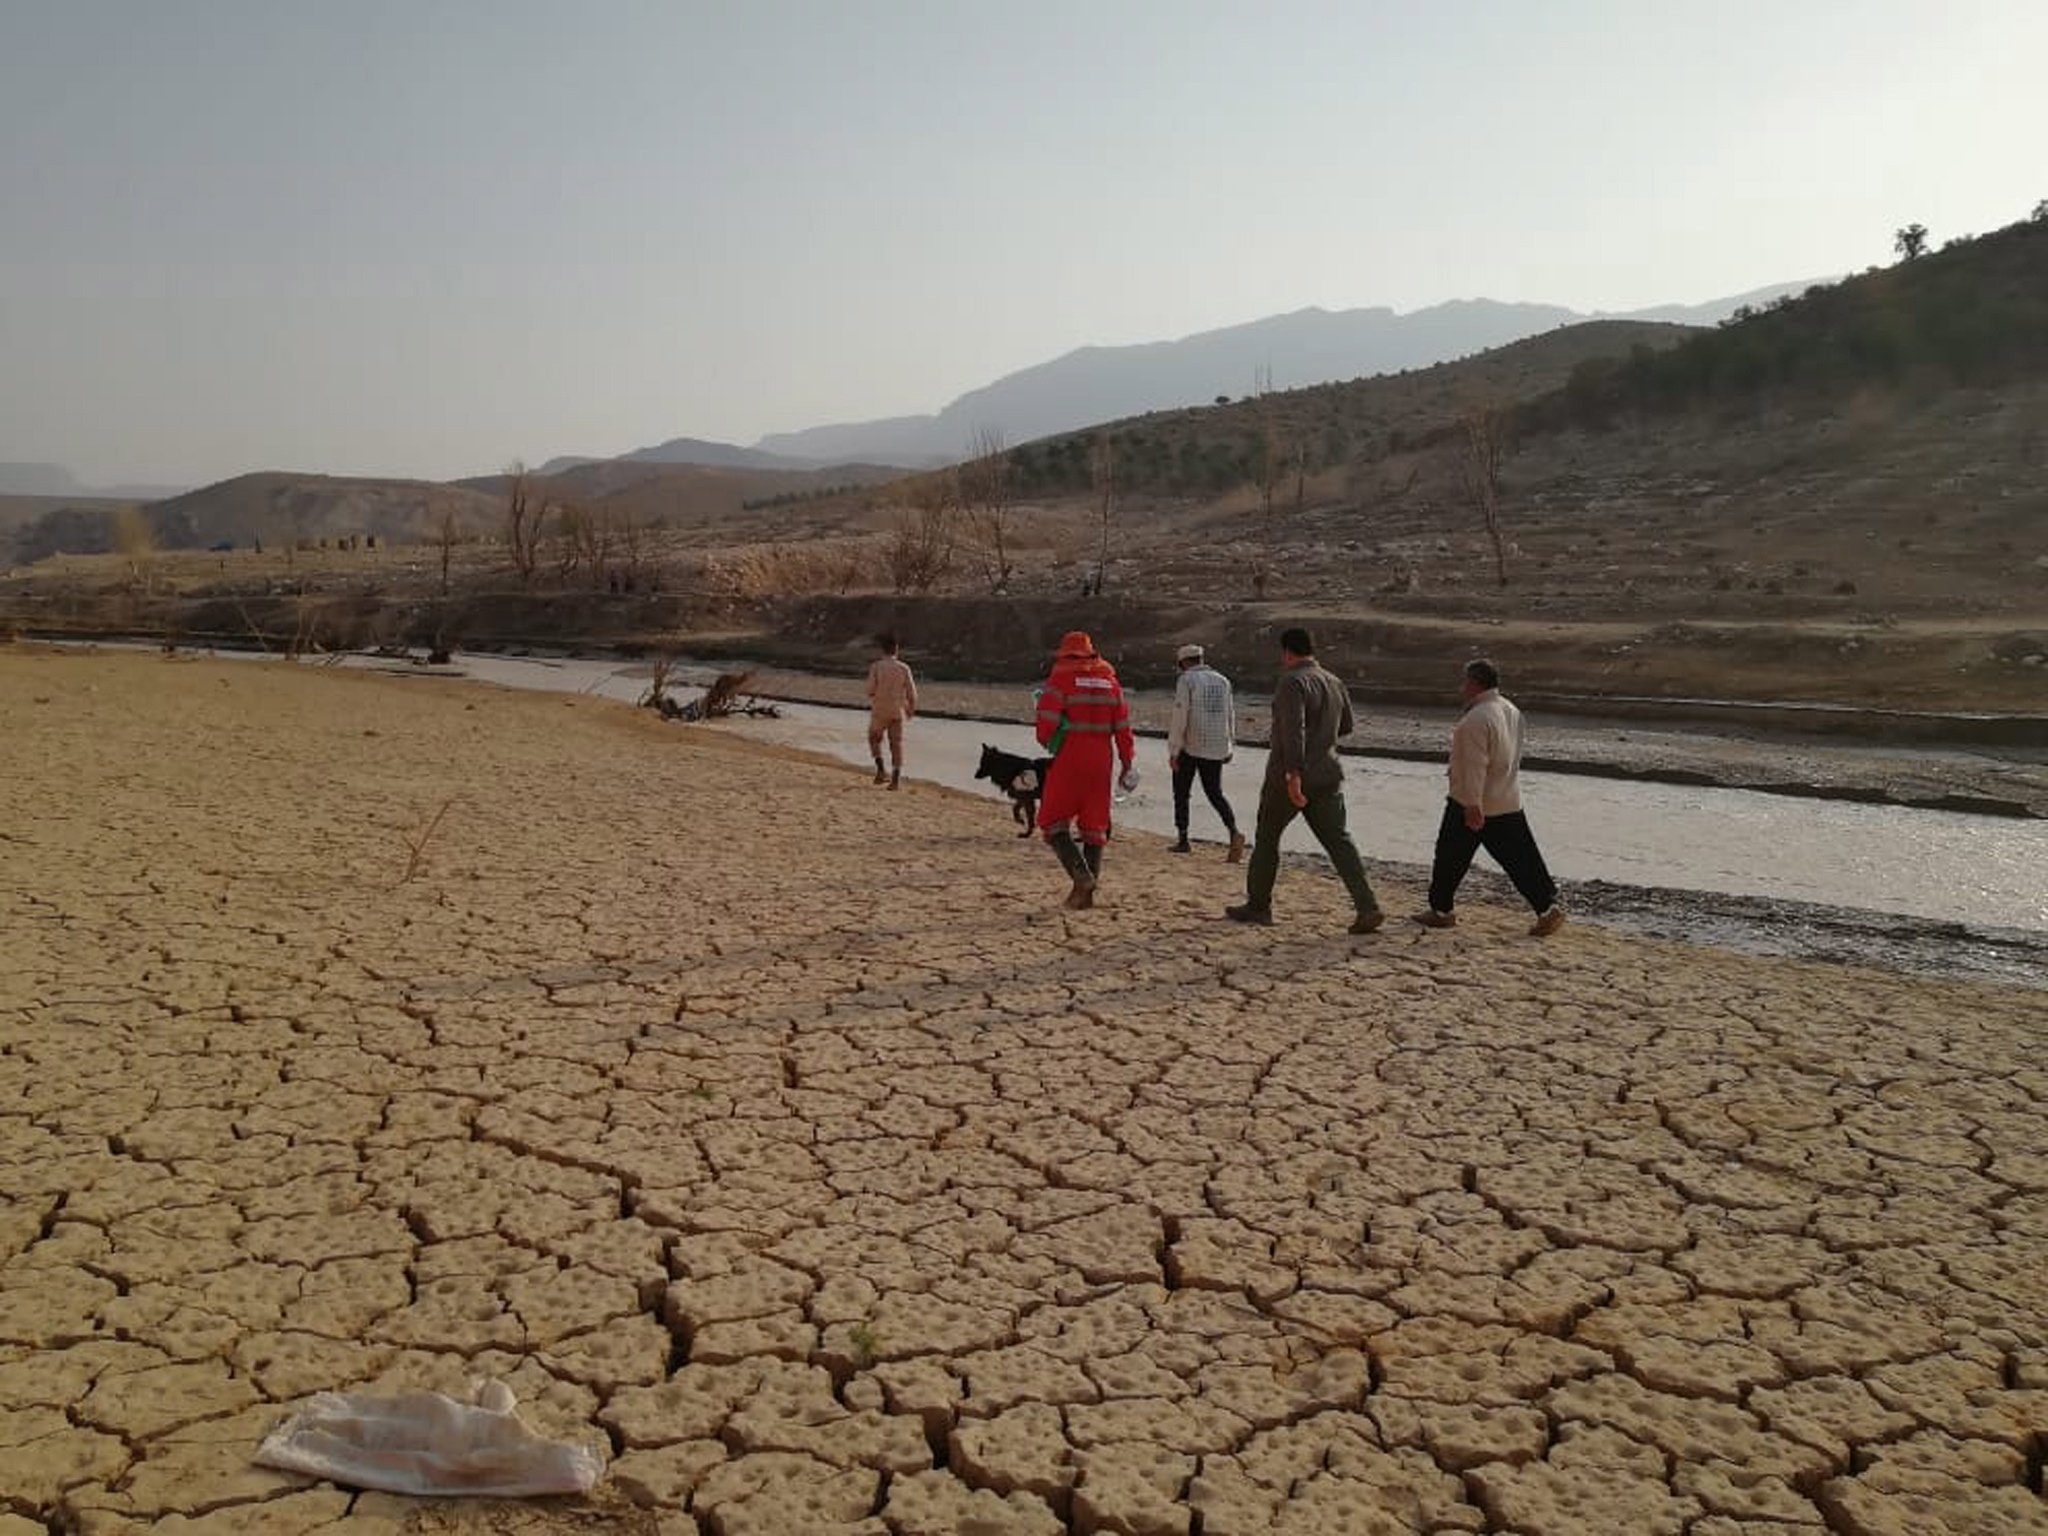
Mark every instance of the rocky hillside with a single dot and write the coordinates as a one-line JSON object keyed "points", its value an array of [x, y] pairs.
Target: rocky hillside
{"points": [[270, 509]]}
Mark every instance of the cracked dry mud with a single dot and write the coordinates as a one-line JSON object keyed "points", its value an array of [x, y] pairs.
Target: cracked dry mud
{"points": [[780, 1137]]}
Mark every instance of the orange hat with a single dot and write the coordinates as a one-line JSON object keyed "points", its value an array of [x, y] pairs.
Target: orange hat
{"points": [[1076, 646]]}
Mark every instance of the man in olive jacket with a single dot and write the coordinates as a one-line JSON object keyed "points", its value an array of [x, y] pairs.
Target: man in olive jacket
{"points": [[1304, 777]]}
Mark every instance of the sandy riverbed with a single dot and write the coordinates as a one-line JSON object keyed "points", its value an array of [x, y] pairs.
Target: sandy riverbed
{"points": [[809, 1161]]}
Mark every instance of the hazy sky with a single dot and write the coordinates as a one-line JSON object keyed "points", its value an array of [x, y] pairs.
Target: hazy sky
{"points": [[427, 236]]}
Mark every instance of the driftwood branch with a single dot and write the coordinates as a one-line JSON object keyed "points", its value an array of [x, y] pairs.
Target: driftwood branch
{"points": [[416, 842], [726, 696]]}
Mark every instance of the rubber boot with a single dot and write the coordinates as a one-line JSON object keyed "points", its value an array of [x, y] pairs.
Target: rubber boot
{"points": [[881, 773], [895, 778], [1076, 865], [1091, 856]]}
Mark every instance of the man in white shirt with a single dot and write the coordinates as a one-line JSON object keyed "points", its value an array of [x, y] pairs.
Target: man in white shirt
{"points": [[1485, 807], [1199, 741]]}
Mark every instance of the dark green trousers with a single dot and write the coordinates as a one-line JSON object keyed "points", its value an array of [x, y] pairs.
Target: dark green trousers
{"points": [[1326, 819]]}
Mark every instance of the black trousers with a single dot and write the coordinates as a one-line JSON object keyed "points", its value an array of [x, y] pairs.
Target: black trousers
{"points": [[1512, 845], [1186, 770]]}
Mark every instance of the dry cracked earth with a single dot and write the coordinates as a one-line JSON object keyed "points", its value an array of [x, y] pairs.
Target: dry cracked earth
{"points": [[779, 1136]]}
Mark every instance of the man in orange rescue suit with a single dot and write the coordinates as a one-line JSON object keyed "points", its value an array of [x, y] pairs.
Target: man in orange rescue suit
{"points": [[1082, 721]]}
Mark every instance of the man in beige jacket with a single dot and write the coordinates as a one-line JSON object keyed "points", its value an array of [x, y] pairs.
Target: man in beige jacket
{"points": [[892, 700], [1485, 807]]}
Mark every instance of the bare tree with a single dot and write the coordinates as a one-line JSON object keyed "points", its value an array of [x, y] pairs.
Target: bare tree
{"points": [[136, 542], [446, 531], [524, 516], [1102, 472], [568, 521], [633, 538], [590, 531], [1269, 471], [924, 535], [1485, 447], [988, 496]]}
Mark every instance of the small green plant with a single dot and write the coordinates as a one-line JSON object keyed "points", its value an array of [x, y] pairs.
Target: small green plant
{"points": [[865, 1345]]}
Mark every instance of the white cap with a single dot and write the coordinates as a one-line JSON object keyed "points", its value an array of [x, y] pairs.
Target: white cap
{"points": [[1188, 653]]}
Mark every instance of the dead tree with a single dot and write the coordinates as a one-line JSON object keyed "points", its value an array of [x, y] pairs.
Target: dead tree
{"points": [[569, 540], [658, 677], [594, 533], [1272, 455], [924, 535], [1102, 471], [136, 541], [721, 699], [446, 532], [1485, 447], [1269, 461], [524, 517], [633, 538], [988, 493]]}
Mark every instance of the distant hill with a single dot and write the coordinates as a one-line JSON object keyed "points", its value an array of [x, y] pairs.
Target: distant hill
{"points": [[38, 480], [1716, 310], [1972, 315], [33, 526], [271, 507], [1309, 346], [18, 479], [1210, 449], [691, 450]]}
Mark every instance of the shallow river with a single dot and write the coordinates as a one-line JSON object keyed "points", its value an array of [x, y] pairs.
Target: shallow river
{"points": [[1945, 866]]}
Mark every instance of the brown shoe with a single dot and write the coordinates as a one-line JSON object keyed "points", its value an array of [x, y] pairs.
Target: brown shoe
{"points": [[1435, 919], [1547, 924], [1369, 922], [1236, 853]]}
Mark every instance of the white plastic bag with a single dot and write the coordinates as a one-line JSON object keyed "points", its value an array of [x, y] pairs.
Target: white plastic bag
{"points": [[424, 1443]]}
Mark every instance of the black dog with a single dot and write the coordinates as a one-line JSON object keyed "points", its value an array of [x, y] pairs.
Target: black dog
{"points": [[1021, 778]]}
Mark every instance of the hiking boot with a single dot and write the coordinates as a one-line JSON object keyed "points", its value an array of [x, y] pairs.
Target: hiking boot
{"points": [[896, 778], [1235, 854], [1548, 923], [881, 773], [1247, 913], [1368, 922], [1435, 919], [1183, 846]]}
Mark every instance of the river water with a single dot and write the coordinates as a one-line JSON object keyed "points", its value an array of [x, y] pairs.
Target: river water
{"points": [[1941, 866]]}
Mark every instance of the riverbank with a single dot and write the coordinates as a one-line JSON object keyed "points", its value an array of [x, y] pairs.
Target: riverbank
{"points": [[779, 1137]]}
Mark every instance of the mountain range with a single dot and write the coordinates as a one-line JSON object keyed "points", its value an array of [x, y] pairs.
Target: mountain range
{"points": [[1095, 384], [1309, 346], [54, 480]]}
